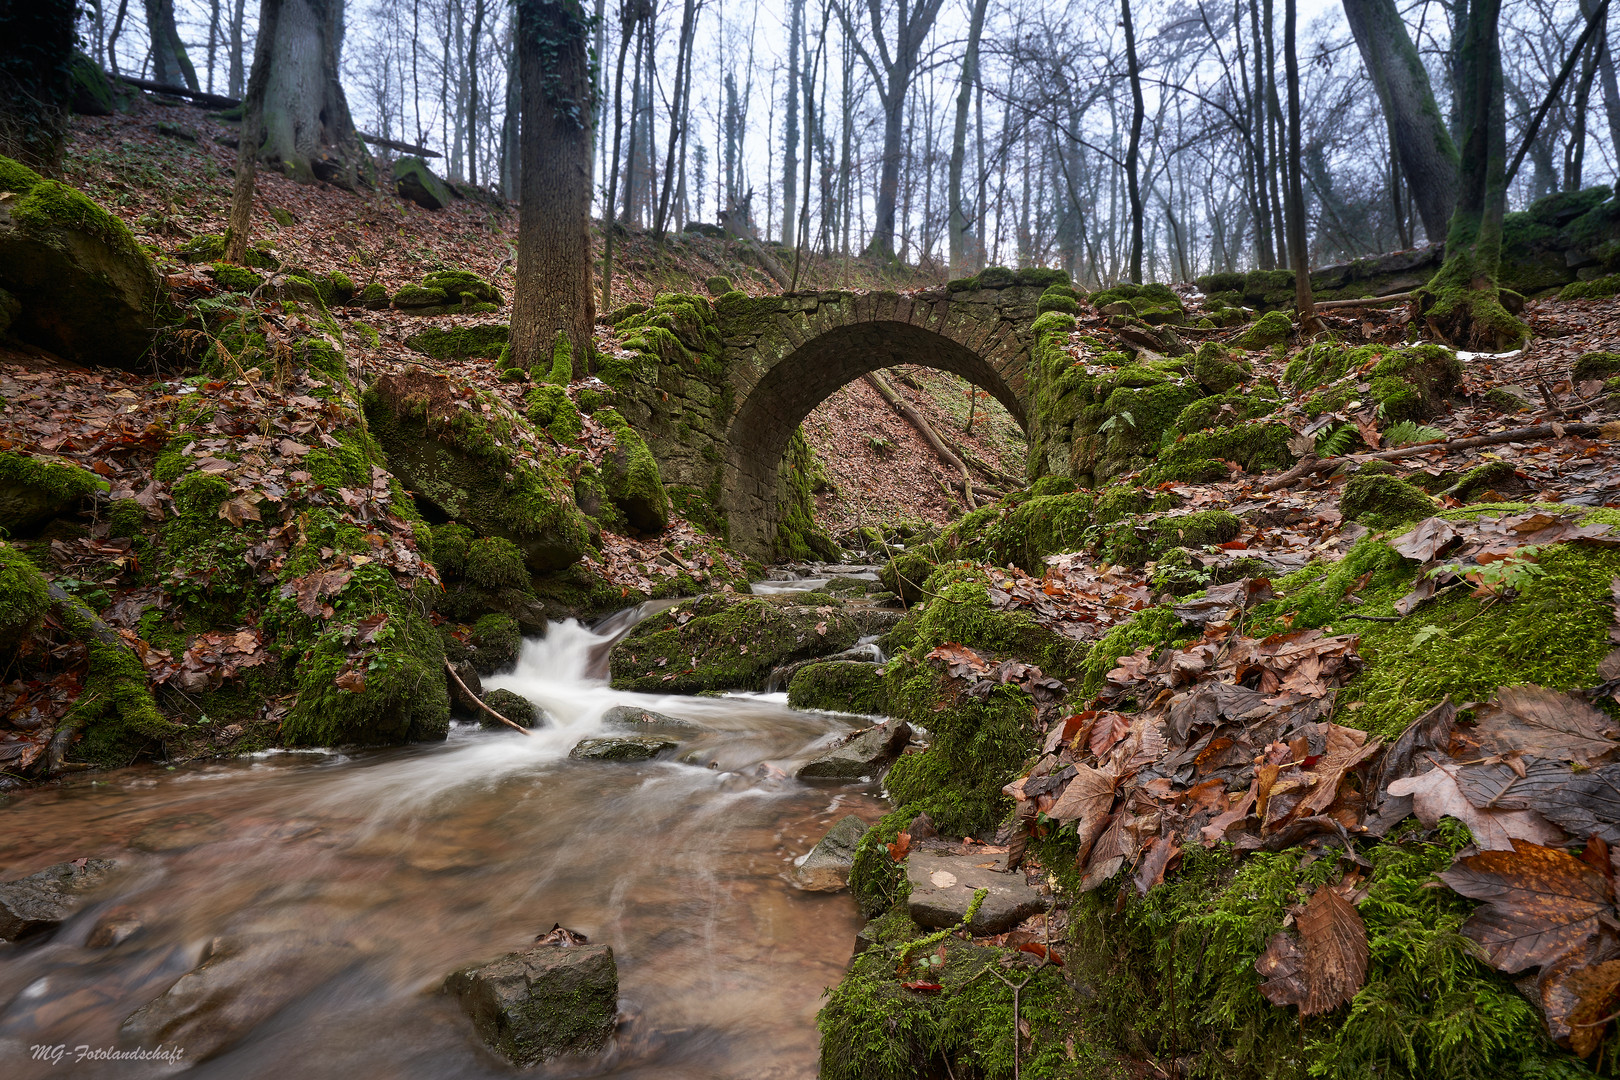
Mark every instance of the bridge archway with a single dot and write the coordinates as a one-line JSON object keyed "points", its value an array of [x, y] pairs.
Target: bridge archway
{"points": [[785, 367]]}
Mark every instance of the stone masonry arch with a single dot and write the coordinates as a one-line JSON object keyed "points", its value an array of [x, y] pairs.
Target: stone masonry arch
{"points": [[784, 355]]}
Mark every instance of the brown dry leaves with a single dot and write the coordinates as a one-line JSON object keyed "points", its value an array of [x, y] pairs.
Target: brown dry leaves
{"points": [[1325, 966]]}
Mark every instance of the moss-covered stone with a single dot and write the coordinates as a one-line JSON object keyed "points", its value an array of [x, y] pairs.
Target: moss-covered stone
{"points": [[465, 466], [905, 574], [1215, 369], [630, 476], [24, 597], [480, 342], [34, 490], [1413, 383], [1198, 457], [444, 292], [1595, 365], [88, 291], [514, 706], [494, 561], [1383, 501], [724, 643], [838, 686], [233, 278], [497, 641], [1272, 328], [1499, 477], [1596, 289], [718, 285], [415, 182]]}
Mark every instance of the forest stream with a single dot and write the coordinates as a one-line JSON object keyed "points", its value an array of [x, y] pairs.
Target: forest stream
{"points": [[352, 882]]}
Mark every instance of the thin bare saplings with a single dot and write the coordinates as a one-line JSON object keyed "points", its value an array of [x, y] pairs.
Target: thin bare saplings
{"points": [[1299, 259], [553, 306], [631, 14], [964, 94], [1133, 150]]}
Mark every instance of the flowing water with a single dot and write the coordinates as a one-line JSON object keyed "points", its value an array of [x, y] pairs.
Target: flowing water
{"points": [[359, 880]]}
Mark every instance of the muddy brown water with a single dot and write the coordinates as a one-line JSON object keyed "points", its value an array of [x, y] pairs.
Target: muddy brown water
{"points": [[359, 880]]}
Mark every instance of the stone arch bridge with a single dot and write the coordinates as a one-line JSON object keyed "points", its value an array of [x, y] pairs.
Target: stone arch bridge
{"points": [[720, 414]]}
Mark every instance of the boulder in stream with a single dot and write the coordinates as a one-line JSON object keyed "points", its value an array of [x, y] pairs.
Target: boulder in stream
{"points": [[543, 1003], [241, 982], [41, 902], [621, 748], [826, 868], [867, 754], [942, 888], [631, 716]]}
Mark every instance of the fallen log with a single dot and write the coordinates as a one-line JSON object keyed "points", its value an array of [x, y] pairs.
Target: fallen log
{"points": [[1365, 301], [1313, 464], [476, 700], [926, 430]]}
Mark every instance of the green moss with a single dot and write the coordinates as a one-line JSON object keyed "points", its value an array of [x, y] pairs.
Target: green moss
{"points": [[561, 372], [876, 881], [126, 517], [1053, 302], [450, 543], [1053, 320], [718, 285], [233, 278], [1413, 383], [905, 574], [1026, 532], [1482, 479], [1150, 626], [798, 536], [838, 686], [374, 294], [961, 612], [1216, 371], [515, 707], [1227, 409], [24, 597], [1597, 289], [1272, 328], [1197, 457], [1595, 365], [494, 561], [550, 408], [17, 177], [630, 476], [114, 711], [33, 490], [483, 341], [497, 641], [1383, 502]]}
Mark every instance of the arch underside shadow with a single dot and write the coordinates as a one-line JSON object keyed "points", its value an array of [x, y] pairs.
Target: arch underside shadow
{"points": [[787, 393]]}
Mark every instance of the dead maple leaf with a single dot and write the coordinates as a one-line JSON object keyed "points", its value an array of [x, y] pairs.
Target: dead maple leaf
{"points": [[1437, 794], [1533, 720]]}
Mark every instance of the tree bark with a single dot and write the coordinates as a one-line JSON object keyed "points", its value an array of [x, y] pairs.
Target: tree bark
{"points": [[1427, 154], [1606, 79], [238, 231], [238, 78], [1298, 253], [472, 91], [552, 302], [964, 99], [170, 64], [309, 133], [1133, 149], [629, 17], [677, 110], [790, 129], [1462, 302], [35, 90]]}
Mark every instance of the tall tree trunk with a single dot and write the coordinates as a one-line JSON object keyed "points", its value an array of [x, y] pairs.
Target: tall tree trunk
{"points": [[213, 40], [790, 129], [552, 304], [1575, 152], [35, 89], [112, 40], [1606, 79], [1298, 252], [683, 53], [1462, 303], [472, 91], [510, 170], [1259, 117], [1133, 150], [309, 133], [238, 77], [964, 99], [629, 18], [1428, 156], [170, 65], [239, 231]]}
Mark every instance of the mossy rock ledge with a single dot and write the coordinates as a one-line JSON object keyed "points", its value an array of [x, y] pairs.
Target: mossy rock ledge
{"points": [[88, 293], [723, 642]]}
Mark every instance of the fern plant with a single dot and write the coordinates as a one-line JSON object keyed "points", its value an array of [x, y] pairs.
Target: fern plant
{"points": [[1410, 433], [1335, 441]]}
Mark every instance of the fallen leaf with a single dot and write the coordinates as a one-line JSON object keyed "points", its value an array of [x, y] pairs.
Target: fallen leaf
{"points": [[1536, 904], [1336, 952], [1535, 721]]}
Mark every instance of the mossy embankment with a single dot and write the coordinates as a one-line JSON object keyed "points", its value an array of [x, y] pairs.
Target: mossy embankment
{"points": [[1167, 973]]}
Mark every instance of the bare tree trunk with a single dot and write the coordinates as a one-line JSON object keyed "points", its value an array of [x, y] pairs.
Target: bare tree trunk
{"points": [[238, 232], [552, 304], [629, 18], [964, 92], [472, 92], [238, 60], [683, 54], [1606, 79], [790, 129], [1259, 117], [1575, 149], [1427, 155], [1133, 151], [213, 40], [170, 65], [1298, 255], [117, 28]]}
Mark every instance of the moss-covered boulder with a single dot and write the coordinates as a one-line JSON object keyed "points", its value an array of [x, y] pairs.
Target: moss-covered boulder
{"points": [[725, 642], [34, 490], [86, 289], [481, 342], [448, 292], [904, 575], [1215, 369], [415, 182], [1383, 501], [1272, 328], [1413, 383], [838, 686], [476, 469], [24, 597], [630, 476], [1592, 366], [514, 706]]}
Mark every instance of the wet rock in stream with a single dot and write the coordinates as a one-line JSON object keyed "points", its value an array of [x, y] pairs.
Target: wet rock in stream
{"points": [[826, 868], [241, 982], [630, 716], [515, 707], [543, 1003], [866, 754], [41, 902], [942, 889], [621, 748]]}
